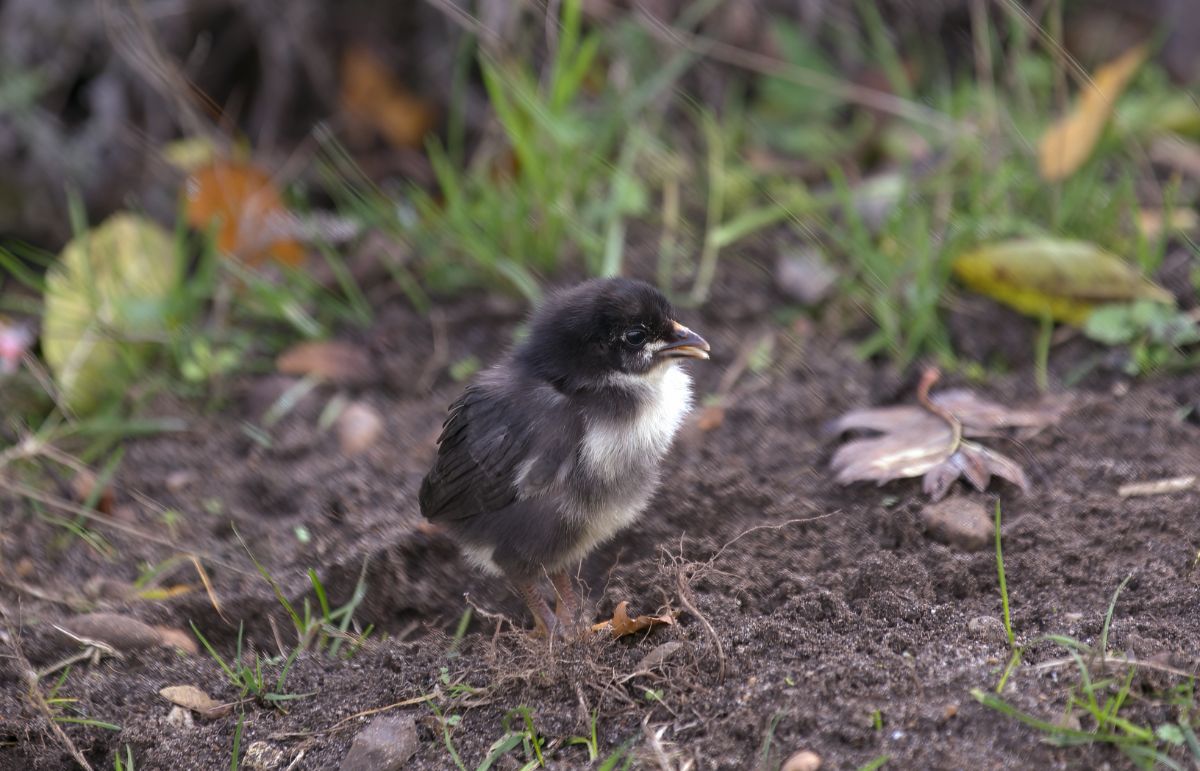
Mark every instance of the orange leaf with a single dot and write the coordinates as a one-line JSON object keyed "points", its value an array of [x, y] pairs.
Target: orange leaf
{"points": [[246, 207], [1070, 141], [621, 624], [372, 97]]}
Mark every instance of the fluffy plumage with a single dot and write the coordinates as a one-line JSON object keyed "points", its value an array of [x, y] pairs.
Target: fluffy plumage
{"points": [[556, 448]]}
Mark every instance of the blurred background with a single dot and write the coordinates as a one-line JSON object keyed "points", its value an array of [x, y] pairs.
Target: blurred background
{"points": [[251, 249]]}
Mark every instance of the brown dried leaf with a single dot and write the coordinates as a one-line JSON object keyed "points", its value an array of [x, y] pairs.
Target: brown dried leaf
{"points": [[621, 624], [1068, 143], [338, 362], [913, 441], [242, 201], [371, 96], [84, 488], [981, 417], [124, 633], [191, 697], [178, 639]]}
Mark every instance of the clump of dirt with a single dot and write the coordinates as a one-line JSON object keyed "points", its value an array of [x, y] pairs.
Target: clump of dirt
{"points": [[839, 625]]}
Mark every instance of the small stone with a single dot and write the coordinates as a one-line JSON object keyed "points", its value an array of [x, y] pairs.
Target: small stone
{"points": [[805, 276], [358, 427], [181, 719], [176, 481], [263, 756], [959, 521], [988, 629], [384, 745], [804, 760]]}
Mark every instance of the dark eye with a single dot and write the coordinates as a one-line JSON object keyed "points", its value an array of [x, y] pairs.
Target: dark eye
{"points": [[635, 337]]}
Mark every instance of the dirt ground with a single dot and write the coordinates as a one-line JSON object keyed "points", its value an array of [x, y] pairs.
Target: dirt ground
{"points": [[843, 627]]}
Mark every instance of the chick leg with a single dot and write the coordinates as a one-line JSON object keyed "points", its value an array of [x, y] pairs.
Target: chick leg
{"points": [[545, 622], [567, 607]]}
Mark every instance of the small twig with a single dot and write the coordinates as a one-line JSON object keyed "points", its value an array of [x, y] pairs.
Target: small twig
{"points": [[928, 378], [686, 600], [31, 678], [1068, 660], [342, 723], [779, 526]]}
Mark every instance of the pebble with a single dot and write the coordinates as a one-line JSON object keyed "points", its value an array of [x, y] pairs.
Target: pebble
{"points": [[987, 628], [181, 719], [960, 522], [804, 760], [805, 276], [263, 756], [358, 427], [384, 745], [177, 480]]}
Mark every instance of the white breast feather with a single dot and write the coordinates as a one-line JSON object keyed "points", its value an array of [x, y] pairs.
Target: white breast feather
{"points": [[619, 449], [626, 453]]}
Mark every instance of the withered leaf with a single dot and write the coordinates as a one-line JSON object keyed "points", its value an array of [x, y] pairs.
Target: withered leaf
{"points": [[126, 633], [622, 625], [338, 362], [191, 697], [1068, 143], [929, 440]]}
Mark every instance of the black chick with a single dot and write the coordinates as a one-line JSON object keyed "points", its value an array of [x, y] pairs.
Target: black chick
{"points": [[558, 447]]}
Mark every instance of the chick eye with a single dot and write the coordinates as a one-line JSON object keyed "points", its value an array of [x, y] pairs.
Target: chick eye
{"points": [[635, 336]]}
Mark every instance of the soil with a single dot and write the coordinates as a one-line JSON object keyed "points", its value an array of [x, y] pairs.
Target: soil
{"points": [[843, 628]]}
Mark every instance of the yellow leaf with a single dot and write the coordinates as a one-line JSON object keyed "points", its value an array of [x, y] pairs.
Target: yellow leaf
{"points": [[1064, 278], [104, 299], [1070, 140]]}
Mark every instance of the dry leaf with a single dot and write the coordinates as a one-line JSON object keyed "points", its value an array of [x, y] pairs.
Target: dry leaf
{"points": [[191, 697], [83, 486], [176, 638], [1068, 143], [930, 440], [621, 624], [1067, 279], [338, 362], [124, 633], [247, 209], [372, 97]]}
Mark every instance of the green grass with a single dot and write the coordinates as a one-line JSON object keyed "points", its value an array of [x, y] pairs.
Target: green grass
{"points": [[125, 764], [1099, 700], [252, 679], [319, 626], [1005, 616]]}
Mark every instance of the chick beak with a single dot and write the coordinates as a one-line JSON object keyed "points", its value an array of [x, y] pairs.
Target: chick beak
{"points": [[683, 343]]}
